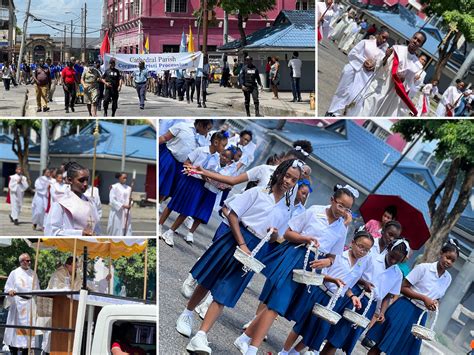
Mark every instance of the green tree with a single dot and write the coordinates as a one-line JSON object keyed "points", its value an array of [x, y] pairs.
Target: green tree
{"points": [[458, 20], [243, 9], [447, 203]]}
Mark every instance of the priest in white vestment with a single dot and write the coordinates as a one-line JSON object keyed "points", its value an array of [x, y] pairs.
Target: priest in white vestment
{"points": [[120, 204], [364, 59], [17, 186], [324, 14], [22, 279], [387, 95], [429, 90], [450, 100], [40, 200]]}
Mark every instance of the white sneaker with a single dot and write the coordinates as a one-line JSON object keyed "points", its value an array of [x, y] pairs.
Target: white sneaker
{"points": [[189, 238], [199, 344], [310, 352], [184, 325], [188, 286], [188, 222], [204, 306], [160, 227], [168, 237], [293, 352], [241, 345]]}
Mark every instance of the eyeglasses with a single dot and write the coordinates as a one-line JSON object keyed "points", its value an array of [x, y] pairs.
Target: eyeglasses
{"points": [[341, 207], [362, 249], [26, 261]]}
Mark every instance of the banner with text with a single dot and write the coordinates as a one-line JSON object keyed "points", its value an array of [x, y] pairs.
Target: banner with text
{"points": [[156, 62]]}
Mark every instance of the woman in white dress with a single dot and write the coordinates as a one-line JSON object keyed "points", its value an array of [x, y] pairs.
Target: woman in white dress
{"points": [[73, 214], [429, 90], [40, 200], [119, 201]]}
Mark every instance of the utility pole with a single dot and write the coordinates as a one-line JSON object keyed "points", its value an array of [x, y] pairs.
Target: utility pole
{"points": [[70, 54], [204, 27], [23, 40], [44, 145], [226, 27], [85, 32], [64, 46], [82, 34], [11, 31]]}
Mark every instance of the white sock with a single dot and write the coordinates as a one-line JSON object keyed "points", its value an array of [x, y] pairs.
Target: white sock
{"points": [[201, 333], [187, 312], [252, 350], [245, 338], [283, 352]]}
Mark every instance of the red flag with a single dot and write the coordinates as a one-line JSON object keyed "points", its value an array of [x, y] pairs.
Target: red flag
{"points": [[105, 47], [320, 36], [399, 88], [8, 193]]}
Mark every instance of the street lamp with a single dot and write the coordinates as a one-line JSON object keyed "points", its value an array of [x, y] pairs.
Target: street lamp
{"points": [[75, 19]]}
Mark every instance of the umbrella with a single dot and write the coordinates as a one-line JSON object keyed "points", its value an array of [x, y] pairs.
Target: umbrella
{"points": [[411, 219]]}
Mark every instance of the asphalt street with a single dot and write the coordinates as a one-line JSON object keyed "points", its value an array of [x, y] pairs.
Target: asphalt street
{"points": [[155, 106], [174, 266]]}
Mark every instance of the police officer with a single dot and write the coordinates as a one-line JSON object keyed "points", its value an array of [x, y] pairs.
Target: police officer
{"points": [[249, 77], [112, 79]]}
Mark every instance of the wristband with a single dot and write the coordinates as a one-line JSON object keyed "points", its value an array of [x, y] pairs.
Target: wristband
{"points": [[352, 296], [242, 244]]}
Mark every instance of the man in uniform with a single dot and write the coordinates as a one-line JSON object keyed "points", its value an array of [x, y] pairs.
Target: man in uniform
{"points": [[249, 77], [112, 80]]}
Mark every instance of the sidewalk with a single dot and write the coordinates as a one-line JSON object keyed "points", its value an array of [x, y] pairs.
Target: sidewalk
{"points": [[13, 102], [234, 99], [139, 213]]}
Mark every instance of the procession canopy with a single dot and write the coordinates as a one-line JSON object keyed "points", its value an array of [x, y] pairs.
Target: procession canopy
{"points": [[98, 247], [156, 62]]}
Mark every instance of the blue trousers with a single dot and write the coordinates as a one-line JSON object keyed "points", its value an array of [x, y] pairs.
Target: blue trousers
{"points": [[141, 91]]}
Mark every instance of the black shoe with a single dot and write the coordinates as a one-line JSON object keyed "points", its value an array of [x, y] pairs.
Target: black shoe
{"points": [[67, 110], [368, 343], [299, 100], [11, 219], [142, 108], [204, 105], [294, 100], [199, 105], [45, 109], [105, 113], [16, 222], [329, 114], [38, 110]]}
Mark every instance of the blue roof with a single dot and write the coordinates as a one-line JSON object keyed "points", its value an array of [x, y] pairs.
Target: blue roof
{"points": [[359, 155], [6, 152], [407, 23], [291, 29], [141, 141]]}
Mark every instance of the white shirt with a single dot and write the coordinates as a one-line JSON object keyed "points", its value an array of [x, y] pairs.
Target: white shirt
{"points": [[227, 170], [425, 280], [297, 210], [203, 157], [343, 270], [166, 124], [295, 64], [314, 223], [185, 140], [385, 280], [261, 173], [375, 250], [257, 209], [248, 150]]}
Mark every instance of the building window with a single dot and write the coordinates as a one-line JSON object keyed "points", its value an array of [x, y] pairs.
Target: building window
{"points": [[421, 157], [176, 6], [170, 48], [376, 130], [305, 5]]}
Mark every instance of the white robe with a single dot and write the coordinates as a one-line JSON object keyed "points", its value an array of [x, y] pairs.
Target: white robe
{"points": [[350, 37], [67, 221], [119, 195], [355, 78], [381, 99], [326, 23], [20, 280], [57, 190], [95, 198], [40, 200], [17, 185], [427, 92], [417, 84], [339, 28], [449, 97]]}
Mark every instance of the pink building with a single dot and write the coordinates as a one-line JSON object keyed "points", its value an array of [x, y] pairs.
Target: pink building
{"points": [[163, 22]]}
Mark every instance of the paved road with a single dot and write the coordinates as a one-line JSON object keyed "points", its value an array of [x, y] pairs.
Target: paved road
{"points": [[175, 264], [128, 106], [140, 226]]}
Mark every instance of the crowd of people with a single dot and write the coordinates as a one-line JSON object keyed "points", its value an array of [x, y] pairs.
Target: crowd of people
{"points": [[383, 80], [24, 280], [270, 223], [64, 204]]}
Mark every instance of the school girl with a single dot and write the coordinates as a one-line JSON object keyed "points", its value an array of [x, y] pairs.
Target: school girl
{"points": [[304, 189], [390, 231], [323, 225], [244, 142], [40, 199], [73, 214], [120, 204], [384, 278], [191, 197], [175, 145], [422, 289], [252, 214]]}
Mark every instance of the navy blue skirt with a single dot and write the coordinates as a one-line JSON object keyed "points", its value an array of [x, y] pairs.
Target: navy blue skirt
{"points": [[279, 289], [343, 335], [218, 271], [169, 171], [222, 230], [394, 335], [225, 194], [313, 329], [193, 199]]}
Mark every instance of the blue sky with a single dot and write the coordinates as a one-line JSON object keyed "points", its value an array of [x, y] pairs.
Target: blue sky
{"points": [[55, 11]]}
